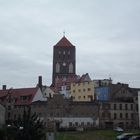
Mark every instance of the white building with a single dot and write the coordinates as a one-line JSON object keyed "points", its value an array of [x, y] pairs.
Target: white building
{"points": [[77, 122]]}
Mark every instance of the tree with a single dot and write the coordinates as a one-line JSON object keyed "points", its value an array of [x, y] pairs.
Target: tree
{"points": [[29, 127]]}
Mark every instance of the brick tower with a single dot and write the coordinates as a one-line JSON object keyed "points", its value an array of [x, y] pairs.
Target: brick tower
{"points": [[64, 63]]}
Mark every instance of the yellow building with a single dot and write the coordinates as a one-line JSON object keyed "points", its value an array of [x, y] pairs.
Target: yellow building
{"points": [[83, 89]]}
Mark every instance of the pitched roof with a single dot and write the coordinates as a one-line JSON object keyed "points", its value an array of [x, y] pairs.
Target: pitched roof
{"points": [[64, 42], [21, 92]]}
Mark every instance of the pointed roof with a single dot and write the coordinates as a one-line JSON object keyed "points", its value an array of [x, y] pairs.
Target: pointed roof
{"points": [[64, 42], [17, 93]]}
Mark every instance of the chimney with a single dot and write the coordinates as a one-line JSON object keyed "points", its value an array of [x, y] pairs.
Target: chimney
{"points": [[40, 82], [4, 87]]}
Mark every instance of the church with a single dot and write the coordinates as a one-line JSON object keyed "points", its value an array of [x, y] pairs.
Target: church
{"points": [[64, 60]]}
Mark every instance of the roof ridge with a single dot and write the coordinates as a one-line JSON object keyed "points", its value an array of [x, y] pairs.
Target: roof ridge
{"points": [[64, 42]]}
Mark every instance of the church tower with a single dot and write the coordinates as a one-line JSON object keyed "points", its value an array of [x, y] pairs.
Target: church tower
{"points": [[63, 59]]}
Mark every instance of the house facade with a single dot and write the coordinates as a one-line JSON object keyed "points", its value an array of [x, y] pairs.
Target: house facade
{"points": [[82, 89], [2, 115], [16, 101]]}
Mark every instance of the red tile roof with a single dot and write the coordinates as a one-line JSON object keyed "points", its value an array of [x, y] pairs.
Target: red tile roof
{"points": [[64, 42], [18, 93]]}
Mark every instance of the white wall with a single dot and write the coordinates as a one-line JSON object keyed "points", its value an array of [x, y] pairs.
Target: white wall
{"points": [[65, 121], [39, 96]]}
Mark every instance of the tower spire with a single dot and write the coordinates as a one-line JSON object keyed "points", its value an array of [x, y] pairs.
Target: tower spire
{"points": [[64, 33]]}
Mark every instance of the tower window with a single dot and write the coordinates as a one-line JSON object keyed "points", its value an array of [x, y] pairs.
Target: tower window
{"points": [[70, 68], [57, 67]]}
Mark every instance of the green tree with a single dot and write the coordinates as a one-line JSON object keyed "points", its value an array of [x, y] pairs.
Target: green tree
{"points": [[30, 127]]}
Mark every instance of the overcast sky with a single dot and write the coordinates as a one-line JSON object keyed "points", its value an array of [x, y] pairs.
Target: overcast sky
{"points": [[106, 34]]}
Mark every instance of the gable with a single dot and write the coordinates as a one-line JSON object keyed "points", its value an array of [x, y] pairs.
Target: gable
{"points": [[39, 96]]}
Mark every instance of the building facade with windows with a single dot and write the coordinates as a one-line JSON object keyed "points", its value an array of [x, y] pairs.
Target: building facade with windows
{"points": [[66, 113], [2, 115], [83, 89], [122, 114], [64, 60], [16, 101]]}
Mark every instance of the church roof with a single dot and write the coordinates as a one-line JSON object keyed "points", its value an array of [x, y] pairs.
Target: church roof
{"points": [[64, 42]]}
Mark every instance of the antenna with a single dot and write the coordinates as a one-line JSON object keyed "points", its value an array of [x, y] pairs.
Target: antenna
{"points": [[64, 33]]}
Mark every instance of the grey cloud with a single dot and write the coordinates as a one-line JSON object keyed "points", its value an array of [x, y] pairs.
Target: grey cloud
{"points": [[106, 35]]}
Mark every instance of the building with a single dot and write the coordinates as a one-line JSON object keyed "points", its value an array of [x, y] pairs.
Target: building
{"points": [[122, 114], [120, 109], [63, 85], [68, 114], [2, 115], [16, 101], [102, 82], [139, 107], [102, 93], [47, 92], [64, 60], [82, 89]]}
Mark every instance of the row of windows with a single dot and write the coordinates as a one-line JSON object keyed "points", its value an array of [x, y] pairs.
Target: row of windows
{"points": [[84, 83], [82, 97], [64, 52], [118, 116], [81, 124], [119, 106], [84, 90]]}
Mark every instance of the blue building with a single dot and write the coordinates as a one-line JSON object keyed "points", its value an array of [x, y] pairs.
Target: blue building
{"points": [[102, 93]]}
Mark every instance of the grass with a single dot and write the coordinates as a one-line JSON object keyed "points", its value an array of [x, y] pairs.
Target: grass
{"points": [[88, 135], [91, 135]]}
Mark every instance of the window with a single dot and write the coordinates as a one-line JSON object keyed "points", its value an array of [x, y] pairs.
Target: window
{"points": [[70, 68], [103, 115], [109, 115], [120, 106], [115, 116], [57, 67], [89, 89], [131, 106], [76, 123], [88, 123], [79, 90], [126, 115], [73, 91], [126, 106], [79, 97], [15, 116], [9, 115], [121, 115], [114, 106], [84, 90], [70, 123], [9, 107], [82, 123], [132, 116]]}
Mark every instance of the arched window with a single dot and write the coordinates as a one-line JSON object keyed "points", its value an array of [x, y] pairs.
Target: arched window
{"points": [[57, 67], [70, 68]]}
